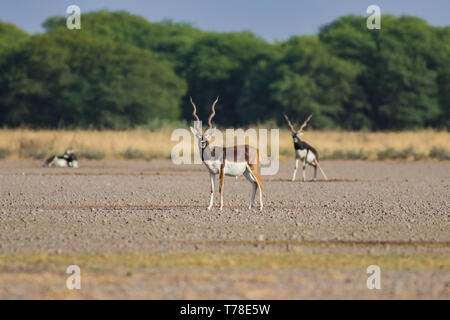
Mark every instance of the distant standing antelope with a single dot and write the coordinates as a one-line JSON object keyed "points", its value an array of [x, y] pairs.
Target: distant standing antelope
{"points": [[231, 161], [304, 151]]}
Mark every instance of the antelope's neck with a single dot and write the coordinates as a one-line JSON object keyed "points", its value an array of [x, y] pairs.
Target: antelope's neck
{"points": [[299, 144], [202, 150], [213, 165]]}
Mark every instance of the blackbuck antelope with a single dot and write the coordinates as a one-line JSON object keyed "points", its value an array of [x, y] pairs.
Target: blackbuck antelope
{"points": [[231, 161], [68, 159], [303, 151]]}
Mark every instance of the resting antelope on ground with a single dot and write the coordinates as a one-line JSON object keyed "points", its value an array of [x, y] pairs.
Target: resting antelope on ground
{"points": [[304, 151], [68, 159], [231, 161]]}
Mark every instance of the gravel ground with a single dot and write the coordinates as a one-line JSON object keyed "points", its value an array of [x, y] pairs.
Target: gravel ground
{"points": [[387, 209]]}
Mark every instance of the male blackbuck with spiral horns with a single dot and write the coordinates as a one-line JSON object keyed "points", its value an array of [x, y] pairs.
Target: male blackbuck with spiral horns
{"points": [[231, 161], [303, 151]]}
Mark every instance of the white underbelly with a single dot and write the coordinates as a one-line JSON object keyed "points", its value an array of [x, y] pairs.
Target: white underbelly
{"points": [[60, 163], [234, 169], [304, 153]]}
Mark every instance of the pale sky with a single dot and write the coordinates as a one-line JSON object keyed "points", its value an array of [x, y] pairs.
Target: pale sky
{"points": [[272, 19]]}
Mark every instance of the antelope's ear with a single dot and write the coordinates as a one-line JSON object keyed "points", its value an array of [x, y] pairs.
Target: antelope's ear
{"points": [[209, 133], [195, 132]]}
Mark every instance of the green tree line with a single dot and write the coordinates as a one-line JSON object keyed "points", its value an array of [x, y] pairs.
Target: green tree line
{"points": [[121, 70]]}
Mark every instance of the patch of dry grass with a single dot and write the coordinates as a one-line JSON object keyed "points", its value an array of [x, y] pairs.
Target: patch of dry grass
{"points": [[235, 260], [409, 145], [146, 144], [91, 144]]}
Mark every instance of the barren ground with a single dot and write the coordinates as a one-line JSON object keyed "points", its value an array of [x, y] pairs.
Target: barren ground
{"points": [[140, 230]]}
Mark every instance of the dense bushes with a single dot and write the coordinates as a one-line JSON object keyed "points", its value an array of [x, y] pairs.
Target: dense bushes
{"points": [[122, 71]]}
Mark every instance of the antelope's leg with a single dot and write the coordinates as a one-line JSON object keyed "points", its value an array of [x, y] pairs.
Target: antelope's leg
{"points": [[315, 172], [260, 187], [254, 172], [222, 176], [304, 169], [295, 169], [251, 179], [254, 187], [211, 199]]}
